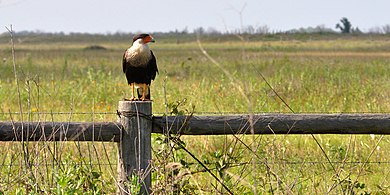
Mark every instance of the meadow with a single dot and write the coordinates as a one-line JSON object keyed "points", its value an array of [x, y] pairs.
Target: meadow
{"points": [[65, 79]]}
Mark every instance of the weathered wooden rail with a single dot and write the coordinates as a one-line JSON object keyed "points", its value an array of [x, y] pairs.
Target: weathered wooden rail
{"points": [[203, 125], [133, 131]]}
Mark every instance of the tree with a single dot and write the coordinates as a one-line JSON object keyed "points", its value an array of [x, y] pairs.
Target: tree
{"points": [[199, 30], [345, 25], [263, 29], [386, 29]]}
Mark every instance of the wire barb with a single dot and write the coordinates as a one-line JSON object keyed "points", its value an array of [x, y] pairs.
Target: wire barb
{"points": [[131, 114]]}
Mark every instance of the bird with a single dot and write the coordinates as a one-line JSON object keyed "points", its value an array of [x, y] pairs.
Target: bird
{"points": [[140, 67]]}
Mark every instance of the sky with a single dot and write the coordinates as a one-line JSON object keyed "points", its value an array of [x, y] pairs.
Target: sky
{"points": [[110, 16]]}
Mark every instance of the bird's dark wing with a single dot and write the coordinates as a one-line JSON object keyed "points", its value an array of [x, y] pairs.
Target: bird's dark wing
{"points": [[124, 62], [152, 67]]}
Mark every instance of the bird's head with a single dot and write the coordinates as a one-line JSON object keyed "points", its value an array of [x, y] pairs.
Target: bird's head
{"points": [[143, 38]]}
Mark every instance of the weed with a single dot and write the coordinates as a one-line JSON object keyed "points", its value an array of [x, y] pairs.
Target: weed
{"points": [[75, 177], [133, 184], [333, 75]]}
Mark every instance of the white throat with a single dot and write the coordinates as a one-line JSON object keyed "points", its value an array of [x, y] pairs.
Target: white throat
{"points": [[138, 54]]}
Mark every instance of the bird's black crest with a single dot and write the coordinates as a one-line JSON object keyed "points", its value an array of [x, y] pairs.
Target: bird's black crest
{"points": [[140, 36]]}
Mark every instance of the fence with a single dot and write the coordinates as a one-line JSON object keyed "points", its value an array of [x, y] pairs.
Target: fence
{"points": [[133, 131]]}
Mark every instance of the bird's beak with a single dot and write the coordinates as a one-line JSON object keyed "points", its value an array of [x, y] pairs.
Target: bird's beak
{"points": [[149, 39], [152, 39]]}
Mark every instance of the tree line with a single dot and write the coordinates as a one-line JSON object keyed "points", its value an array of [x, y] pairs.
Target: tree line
{"points": [[344, 26]]}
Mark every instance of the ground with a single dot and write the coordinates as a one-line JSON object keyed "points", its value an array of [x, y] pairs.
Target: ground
{"points": [[63, 81]]}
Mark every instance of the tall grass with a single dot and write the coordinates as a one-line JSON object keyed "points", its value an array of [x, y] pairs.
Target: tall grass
{"points": [[321, 81], [311, 76]]}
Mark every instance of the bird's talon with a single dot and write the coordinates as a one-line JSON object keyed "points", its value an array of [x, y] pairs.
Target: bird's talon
{"points": [[131, 99]]}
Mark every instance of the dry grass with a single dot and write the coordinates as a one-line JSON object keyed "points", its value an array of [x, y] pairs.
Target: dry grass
{"points": [[311, 76]]}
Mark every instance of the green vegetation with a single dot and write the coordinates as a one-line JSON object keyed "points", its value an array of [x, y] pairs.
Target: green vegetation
{"points": [[345, 26], [313, 73]]}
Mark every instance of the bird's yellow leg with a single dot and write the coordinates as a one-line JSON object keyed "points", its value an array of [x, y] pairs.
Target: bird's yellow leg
{"points": [[132, 92], [143, 92]]}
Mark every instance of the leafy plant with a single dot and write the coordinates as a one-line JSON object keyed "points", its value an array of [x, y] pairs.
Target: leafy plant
{"points": [[134, 185], [345, 26], [354, 188], [75, 177], [172, 174]]}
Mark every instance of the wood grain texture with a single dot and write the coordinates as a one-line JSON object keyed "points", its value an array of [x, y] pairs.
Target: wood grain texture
{"points": [[277, 124], [60, 131], [204, 125], [134, 146]]}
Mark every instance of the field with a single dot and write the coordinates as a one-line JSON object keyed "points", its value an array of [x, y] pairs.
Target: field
{"points": [[65, 79]]}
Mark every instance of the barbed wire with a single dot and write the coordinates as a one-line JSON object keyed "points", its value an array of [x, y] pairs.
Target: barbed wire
{"points": [[213, 163], [59, 113], [196, 113]]}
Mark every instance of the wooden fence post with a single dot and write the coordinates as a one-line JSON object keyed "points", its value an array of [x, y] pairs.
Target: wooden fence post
{"points": [[134, 147]]}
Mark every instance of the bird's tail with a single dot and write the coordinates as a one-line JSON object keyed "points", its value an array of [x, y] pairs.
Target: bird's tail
{"points": [[147, 93]]}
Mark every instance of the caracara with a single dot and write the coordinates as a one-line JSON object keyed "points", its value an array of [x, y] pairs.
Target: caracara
{"points": [[140, 67]]}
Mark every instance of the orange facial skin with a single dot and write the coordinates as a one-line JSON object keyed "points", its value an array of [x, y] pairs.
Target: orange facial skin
{"points": [[148, 39]]}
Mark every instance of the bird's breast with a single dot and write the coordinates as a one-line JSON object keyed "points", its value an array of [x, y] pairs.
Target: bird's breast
{"points": [[138, 56]]}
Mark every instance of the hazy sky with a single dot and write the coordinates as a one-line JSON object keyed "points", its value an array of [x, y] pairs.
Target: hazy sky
{"points": [[102, 16]]}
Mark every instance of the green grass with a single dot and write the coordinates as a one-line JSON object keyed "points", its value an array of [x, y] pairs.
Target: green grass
{"points": [[311, 81], [335, 75]]}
